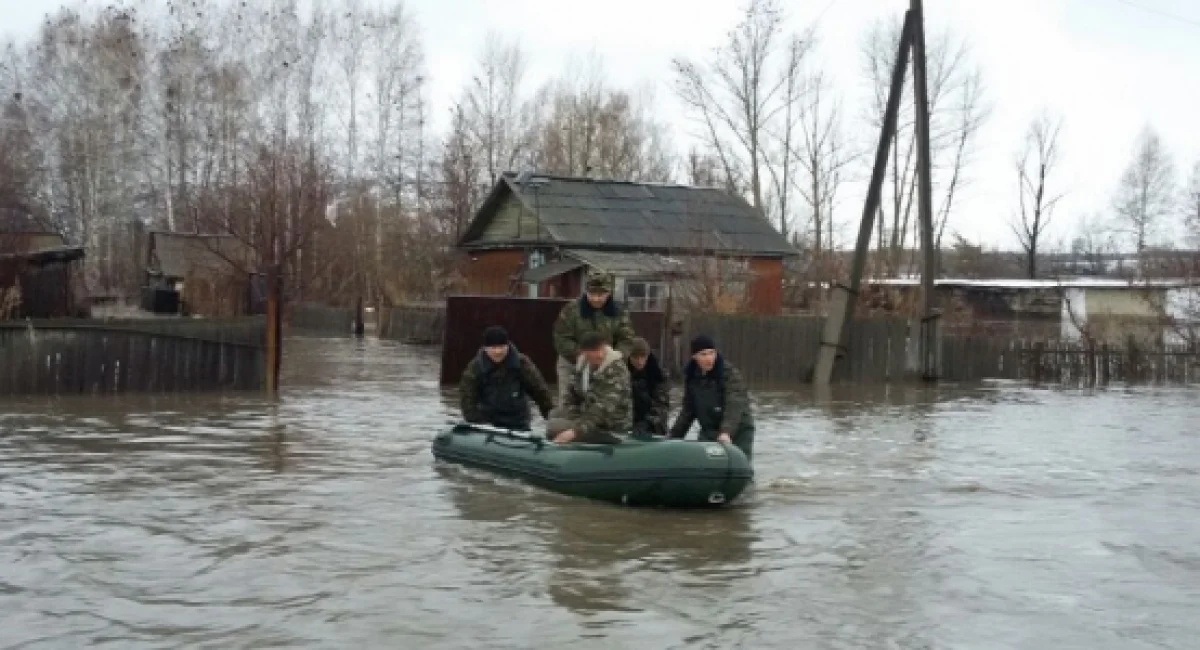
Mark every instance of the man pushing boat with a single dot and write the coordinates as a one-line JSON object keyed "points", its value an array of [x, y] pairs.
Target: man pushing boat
{"points": [[715, 397], [498, 384], [599, 403]]}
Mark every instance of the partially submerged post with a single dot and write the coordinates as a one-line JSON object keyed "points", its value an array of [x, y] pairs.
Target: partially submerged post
{"points": [[841, 308], [926, 333]]}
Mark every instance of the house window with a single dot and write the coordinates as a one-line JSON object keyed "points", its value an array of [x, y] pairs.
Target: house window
{"points": [[645, 296]]}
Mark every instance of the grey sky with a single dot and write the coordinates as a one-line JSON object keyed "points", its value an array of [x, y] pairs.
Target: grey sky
{"points": [[1109, 67]]}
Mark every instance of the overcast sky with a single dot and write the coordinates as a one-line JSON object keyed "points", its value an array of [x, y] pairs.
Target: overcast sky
{"points": [[1110, 67]]}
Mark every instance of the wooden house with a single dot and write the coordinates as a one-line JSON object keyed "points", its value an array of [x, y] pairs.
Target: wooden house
{"points": [[37, 268], [202, 275], [537, 236]]}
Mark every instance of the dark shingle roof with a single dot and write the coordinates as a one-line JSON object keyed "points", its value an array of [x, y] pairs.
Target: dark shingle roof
{"points": [[181, 254], [622, 215]]}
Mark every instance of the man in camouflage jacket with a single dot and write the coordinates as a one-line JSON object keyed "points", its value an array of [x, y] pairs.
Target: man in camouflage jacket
{"points": [[594, 311], [599, 404]]}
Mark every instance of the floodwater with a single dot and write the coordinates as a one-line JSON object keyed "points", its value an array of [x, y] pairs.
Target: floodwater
{"points": [[998, 516]]}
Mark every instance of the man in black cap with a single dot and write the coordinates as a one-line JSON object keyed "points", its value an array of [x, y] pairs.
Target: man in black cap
{"points": [[715, 396], [498, 383]]}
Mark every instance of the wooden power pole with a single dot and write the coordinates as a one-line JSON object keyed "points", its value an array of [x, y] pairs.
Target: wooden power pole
{"points": [[926, 335]]}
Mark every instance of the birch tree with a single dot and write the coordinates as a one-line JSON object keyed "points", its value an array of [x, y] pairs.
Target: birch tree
{"points": [[1146, 192], [1036, 197]]}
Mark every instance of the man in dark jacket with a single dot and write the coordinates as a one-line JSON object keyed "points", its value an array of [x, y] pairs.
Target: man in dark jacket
{"points": [[594, 312], [715, 396], [651, 392], [498, 383]]}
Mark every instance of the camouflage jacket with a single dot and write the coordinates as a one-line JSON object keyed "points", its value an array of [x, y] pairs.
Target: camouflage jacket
{"points": [[483, 397], [578, 318], [601, 400]]}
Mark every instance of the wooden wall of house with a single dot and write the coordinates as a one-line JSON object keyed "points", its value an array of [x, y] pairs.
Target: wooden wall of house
{"points": [[766, 290], [490, 273], [216, 296], [46, 290], [511, 222]]}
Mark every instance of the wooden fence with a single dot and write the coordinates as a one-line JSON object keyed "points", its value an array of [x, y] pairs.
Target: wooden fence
{"points": [[313, 318], [419, 324], [783, 349], [94, 357]]}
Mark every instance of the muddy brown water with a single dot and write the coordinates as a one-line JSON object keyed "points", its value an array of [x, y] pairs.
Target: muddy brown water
{"points": [[995, 516]]}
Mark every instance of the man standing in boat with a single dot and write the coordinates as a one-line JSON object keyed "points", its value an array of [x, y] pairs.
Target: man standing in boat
{"points": [[498, 383], [599, 404], [715, 397], [651, 392], [595, 311]]}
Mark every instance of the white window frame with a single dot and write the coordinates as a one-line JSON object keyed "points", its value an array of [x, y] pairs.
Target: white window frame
{"points": [[646, 302]]}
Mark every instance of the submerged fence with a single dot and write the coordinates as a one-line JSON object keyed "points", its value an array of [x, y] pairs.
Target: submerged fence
{"points": [[781, 350], [97, 357], [314, 318]]}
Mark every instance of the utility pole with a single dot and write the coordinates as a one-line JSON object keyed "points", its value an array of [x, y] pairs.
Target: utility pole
{"points": [[928, 330], [844, 296]]}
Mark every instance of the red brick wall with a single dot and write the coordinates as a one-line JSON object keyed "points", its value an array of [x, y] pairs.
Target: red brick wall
{"points": [[490, 273], [766, 290]]}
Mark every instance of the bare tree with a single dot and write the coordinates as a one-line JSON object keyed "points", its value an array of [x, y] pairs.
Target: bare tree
{"points": [[492, 106], [1146, 192], [1037, 161], [745, 99], [957, 111], [824, 156], [1191, 206], [585, 128]]}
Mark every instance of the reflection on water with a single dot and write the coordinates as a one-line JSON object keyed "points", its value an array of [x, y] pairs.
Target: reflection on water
{"points": [[995, 516]]}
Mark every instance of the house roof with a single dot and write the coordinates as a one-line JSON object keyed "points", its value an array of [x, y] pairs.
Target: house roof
{"points": [[617, 215], [177, 255], [551, 270], [60, 254]]}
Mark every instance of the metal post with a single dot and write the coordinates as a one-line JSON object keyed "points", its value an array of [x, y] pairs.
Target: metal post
{"points": [[929, 340], [841, 308]]}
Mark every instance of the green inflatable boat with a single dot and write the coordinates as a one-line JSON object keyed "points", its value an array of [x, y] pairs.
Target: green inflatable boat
{"points": [[636, 472]]}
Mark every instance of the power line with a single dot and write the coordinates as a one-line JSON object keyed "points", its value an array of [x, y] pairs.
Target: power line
{"points": [[1160, 12]]}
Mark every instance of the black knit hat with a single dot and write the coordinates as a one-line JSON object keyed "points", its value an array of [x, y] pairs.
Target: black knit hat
{"points": [[703, 342], [494, 336]]}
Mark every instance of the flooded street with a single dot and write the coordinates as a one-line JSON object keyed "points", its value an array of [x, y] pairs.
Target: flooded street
{"points": [[992, 517]]}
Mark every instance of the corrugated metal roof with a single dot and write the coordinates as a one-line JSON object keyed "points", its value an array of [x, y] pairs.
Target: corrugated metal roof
{"points": [[547, 271], [613, 214]]}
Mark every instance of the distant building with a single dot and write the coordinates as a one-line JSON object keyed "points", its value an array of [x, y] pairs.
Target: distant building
{"points": [[203, 275], [37, 269], [1106, 310], [537, 236]]}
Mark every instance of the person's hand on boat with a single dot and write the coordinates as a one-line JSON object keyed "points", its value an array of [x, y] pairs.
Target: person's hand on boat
{"points": [[564, 437], [724, 439]]}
